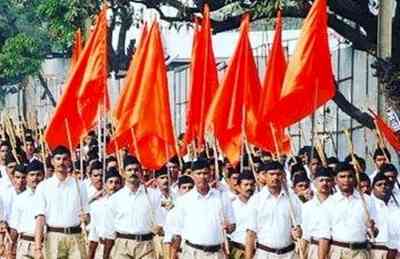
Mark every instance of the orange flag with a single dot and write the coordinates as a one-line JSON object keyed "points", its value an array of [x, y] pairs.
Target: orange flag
{"points": [[77, 49], [234, 108], [273, 81], [308, 81], [204, 82], [85, 91], [123, 103], [149, 113], [388, 133]]}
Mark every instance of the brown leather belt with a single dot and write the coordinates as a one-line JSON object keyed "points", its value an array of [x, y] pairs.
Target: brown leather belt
{"points": [[379, 247], [27, 238], [208, 249], [137, 237], [236, 245], [70, 230], [352, 246], [278, 251]]}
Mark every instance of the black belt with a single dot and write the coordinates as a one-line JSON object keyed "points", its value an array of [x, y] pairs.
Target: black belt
{"points": [[379, 247], [137, 237], [314, 241], [208, 249], [278, 251], [27, 238], [352, 246], [236, 245], [70, 230]]}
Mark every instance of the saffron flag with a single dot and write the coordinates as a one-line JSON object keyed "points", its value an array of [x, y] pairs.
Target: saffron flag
{"points": [[77, 48], [85, 91], [271, 137], [149, 115], [234, 108], [308, 82], [204, 82], [388, 133]]}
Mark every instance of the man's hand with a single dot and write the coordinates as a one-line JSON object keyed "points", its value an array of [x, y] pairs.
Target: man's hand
{"points": [[297, 232], [372, 229], [38, 252], [3, 227], [84, 217], [229, 228], [157, 230]]}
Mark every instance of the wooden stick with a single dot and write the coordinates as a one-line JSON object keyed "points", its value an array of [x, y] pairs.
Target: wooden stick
{"points": [[275, 140]]}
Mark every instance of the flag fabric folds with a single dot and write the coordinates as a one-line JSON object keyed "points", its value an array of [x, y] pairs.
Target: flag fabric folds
{"points": [[148, 116], [308, 82], [233, 110], [204, 82], [77, 48], [85, 91], [388, 133]]}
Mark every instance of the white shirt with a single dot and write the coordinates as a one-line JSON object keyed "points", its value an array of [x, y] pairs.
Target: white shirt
{"points": [[23, 213], [162, 199], [131, 212], [240, 211], [5, 181], [170, 225], [59, 201], [343, 218], [98, 218], [310, 220], [2, 216], [200, 217], [8, 197], [270, 219]]}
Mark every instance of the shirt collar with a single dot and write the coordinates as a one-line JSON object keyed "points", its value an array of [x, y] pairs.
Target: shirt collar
{"points": [[140, 190], [210, 193], [355, 195], [266, 192]]}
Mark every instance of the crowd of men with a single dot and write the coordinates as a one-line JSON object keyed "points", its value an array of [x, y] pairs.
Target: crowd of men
{"points": [[78, 205]]}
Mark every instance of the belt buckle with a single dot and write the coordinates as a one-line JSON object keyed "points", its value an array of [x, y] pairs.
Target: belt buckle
{"points": [[279, 251], [67, 231], [139, 238]]}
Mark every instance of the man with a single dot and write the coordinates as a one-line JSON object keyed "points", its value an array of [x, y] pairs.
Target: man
{"points": [[246, 188], [381, 156], [6, 180], [314, 164], [390, 171], [61, 205], [18, 186], [4, 150], [94, 183], [323, 183], [232, 182], [385, 244], [270, 228], [30, 148], [22, 220], [98, 214], [167, 199], [301, 187], [204, 216], [344, 223], [132, 217], [365, 184]]}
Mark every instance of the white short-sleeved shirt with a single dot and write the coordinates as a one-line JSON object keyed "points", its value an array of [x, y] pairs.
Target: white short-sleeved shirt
{"points": [[240, 211], [8, 197], [60, 201], [23, 213], [269, 217], [170, 226], [200, 217], [310, 219], [130, 212], [343, 218], [98, 218]]}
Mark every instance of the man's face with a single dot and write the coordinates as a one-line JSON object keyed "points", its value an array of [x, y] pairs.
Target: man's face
{"points": [[324, 185], [112, 164], [97, 178], [30, 148], [10, 168], [162, 182], [314, 165], [246, 188], [173, 170], [61, 163], [3, 152], [201, 177], [271, 178], [392, 178], [380, 160], [113, 184], [133, 173], [381, 189], [301, 187], [19, 180], [184, 188], [33, 178], [345, 181], [365, 187], [233, 181]]}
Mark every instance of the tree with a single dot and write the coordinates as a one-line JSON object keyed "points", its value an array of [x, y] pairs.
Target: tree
{"points": [[355, 20]]}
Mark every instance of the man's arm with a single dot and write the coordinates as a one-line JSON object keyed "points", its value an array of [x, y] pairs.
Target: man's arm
{"points": [[250, 245], [323, 248], [39, 236], [175, 246], [108, 244]]}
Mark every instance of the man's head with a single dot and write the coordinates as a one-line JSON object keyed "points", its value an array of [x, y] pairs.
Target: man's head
{"points": [[301, 184], [19, 178], [35, 173], [132, 169], [332, 162], [345, 177], [381, 156], [29, 146], [246, 184], [359, 163], [161, 176], [173, 167], [381, 186], [201, 173], [390, 171], [4, 150], [111, 161], [185, 184], [232, 178], [61, 160], [271, 174], [96, 174], [314, 163], [365, 183], [323, 180], [10, 163], [112, 180]]}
